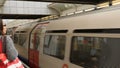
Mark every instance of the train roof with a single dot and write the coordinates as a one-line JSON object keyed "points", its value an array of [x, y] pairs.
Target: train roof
{"points": [[26, 27], [100, 19]]}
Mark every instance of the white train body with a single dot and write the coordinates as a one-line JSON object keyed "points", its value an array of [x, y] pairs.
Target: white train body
{"points": [[88, 40]]}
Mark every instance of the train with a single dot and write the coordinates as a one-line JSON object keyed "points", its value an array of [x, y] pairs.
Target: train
{"points": [[85, 40]]}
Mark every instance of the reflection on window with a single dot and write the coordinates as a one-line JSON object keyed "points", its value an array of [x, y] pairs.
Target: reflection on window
{"points": [[55, 46], [85, 51], [93, 52], [35, 41]]}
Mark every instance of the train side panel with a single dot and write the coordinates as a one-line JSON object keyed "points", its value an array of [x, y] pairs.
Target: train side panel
{"points": [[82, 41]]}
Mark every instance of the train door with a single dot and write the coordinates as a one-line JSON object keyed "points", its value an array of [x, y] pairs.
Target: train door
{"points": [[34, 48]]}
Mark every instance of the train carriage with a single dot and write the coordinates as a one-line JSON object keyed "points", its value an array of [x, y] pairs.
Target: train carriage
{"points": [[88, 40]]}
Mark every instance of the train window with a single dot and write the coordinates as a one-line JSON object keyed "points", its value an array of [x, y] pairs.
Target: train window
{"points": [[22, 39], [85, 51], [54, 45], [35, 41], [93, 52], [16, 38]]}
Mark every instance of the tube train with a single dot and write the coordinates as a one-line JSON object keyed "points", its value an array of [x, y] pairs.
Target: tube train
{"points": [[87, 40]]}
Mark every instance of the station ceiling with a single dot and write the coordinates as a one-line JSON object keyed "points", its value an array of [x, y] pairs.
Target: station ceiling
{"points": [[17, 16], [95, 2]]}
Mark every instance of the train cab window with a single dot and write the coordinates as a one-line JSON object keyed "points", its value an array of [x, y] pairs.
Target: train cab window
{"points": [[54, 45], [93, 52]]}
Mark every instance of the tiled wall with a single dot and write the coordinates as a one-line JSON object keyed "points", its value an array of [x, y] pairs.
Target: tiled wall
{"points": [[26, 7]]}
